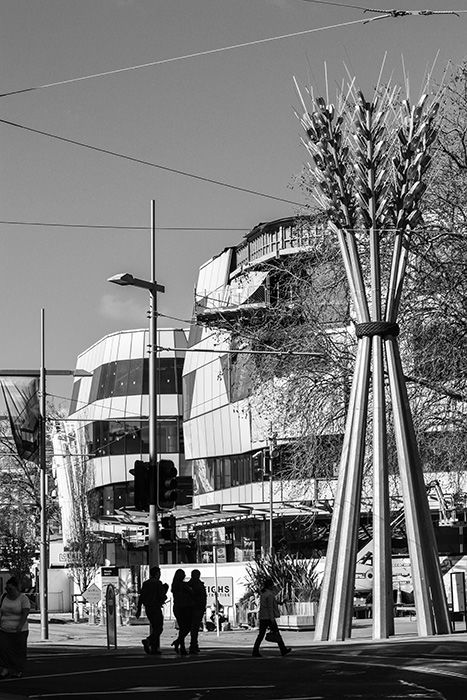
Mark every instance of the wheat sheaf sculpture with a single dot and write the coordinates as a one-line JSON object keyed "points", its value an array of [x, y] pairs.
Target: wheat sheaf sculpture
{"points": [[369, 166]]}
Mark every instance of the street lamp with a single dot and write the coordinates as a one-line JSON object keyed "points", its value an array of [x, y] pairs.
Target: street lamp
{"points": [[127, 280]]}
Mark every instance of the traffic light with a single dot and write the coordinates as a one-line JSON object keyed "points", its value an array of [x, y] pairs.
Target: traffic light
{"points": [[184, 490], [274, 459], [167, 529], [142, 484], [167, 483], [257, 463]]}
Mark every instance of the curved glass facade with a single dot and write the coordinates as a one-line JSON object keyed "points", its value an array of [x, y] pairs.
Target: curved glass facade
{"points": [[111, 408]]}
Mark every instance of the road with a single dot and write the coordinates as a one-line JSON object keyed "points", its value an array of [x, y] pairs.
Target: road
{"points": [[405, 668]]}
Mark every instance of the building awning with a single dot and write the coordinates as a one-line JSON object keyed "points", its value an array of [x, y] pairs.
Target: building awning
{"points": [[216, 515]]}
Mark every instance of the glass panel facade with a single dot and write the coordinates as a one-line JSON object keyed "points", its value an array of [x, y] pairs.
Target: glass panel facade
{"points": [[131, 378], [132, 437], [105, 499], [217, 473]]}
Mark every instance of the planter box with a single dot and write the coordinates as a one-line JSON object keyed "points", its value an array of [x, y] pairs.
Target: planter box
{"points": [[298, 616], [297, 623]]}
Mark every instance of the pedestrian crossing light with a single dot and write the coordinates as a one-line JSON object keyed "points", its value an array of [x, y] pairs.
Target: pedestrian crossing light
{"points": [[167, 484]]}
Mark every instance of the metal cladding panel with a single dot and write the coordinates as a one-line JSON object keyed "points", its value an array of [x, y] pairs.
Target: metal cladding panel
{"points": [[214, 274], [107, 349], [168, 405], [138, 344], [180, 341], [106, 471], [109, 470], [190, 445], [98, 354], [117, 407], [124, 347], [217, 433], [84, 391], [209, 435], [102, 408], [211, 342], [114, 347], [145, 405], [133, 406], [202, 436]]}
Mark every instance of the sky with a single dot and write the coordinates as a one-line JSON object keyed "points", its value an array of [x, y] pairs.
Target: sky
{"points": [[225, 115]]}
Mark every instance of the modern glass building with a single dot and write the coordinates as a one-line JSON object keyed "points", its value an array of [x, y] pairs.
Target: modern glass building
{"points": [[227, 434], [227, 437], [109, 414]]}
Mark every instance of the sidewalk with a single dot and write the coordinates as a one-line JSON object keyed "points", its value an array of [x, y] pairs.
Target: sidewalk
{"points": [[63, 631]]}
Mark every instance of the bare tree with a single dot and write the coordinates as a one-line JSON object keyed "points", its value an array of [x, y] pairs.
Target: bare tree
{"points": [[82, 543], [309, 311]]}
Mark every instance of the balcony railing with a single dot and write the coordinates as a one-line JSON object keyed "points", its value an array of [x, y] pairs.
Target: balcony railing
{"points": [[269, 240]]}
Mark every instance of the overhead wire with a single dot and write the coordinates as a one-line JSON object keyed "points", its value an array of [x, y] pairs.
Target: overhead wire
{"points": [[133, 159], [196, 54], [123, 228]]}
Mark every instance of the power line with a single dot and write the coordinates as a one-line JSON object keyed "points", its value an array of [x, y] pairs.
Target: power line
{"points": [[182, 58], [339, 4], [132, 159], [289, 353], [123, 228]]}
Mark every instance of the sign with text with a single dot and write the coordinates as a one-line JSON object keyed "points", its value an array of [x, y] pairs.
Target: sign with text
{"points": [[224, 590], [92, 594], [109, 576], [458, 591]]}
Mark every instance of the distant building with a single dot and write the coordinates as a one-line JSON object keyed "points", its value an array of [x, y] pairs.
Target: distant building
{"points": [[107, 427]]}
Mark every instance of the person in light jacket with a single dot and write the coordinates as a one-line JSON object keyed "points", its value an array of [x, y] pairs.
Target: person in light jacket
{"points": [[268, 611]]}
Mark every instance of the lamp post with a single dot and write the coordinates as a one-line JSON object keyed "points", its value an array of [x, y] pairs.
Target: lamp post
{"points": [[127, 280]]}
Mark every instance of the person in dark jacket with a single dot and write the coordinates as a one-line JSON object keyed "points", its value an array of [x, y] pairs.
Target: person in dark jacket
{"points": [[183, 609], [199, 608], [153, 596], [268, 612]]}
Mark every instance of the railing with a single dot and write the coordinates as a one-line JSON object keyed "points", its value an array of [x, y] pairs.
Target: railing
{"points": [[269, 241], [228, 297]]}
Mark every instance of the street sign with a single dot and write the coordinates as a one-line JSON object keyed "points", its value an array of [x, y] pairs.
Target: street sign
{"points": [[109, 576], [92, 594], [224, 590]]}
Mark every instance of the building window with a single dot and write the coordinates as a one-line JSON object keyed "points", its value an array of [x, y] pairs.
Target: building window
{"points": [[131, 378], [105, 438]]}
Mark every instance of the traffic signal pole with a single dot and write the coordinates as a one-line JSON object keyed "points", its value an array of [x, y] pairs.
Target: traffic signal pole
{"points": [[272, 442], [153, 532], [127, 279]]}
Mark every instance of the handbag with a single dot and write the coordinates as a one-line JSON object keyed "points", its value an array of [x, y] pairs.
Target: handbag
{"points": [[272, 636]]}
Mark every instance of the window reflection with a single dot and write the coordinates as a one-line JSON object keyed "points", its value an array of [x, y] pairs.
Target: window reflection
{"points": [[105, 438], [131, 378]]}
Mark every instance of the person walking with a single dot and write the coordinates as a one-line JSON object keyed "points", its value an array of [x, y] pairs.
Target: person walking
{"points": [[199, 608], [268, 611], [153, 596], [183, 602], [14, 611]]}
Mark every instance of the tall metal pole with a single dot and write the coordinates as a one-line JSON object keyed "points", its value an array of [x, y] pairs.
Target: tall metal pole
{"points": [[153, 532], [43, 553], [272, 445]]}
